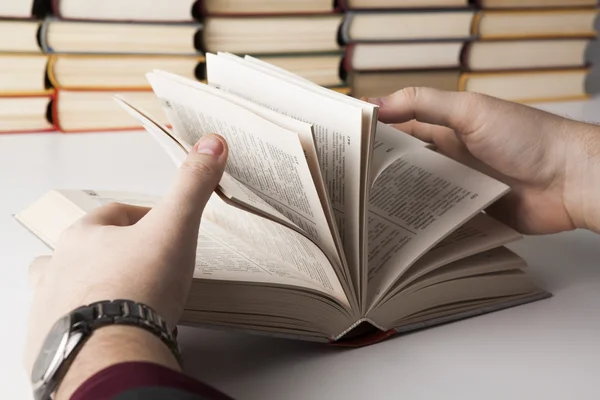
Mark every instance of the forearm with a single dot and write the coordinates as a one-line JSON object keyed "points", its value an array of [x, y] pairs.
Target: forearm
{"points": [[112, 345], [582, 176]]}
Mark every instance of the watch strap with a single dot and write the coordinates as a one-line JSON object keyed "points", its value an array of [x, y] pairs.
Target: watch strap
{"points": [[126, 312]]}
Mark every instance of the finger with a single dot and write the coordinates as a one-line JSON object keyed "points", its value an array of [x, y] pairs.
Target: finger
{"points": [[36, 269], [199, 175], [116, 214], [447, 143], [455, 110], [425, 132]]}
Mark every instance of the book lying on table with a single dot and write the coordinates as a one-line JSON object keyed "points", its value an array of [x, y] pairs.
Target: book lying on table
{"points": [[327, 225]]}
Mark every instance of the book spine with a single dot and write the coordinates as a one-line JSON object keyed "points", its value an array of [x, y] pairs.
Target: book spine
{"points": [[475, 24], [199, 10], [592, 82], [347, 59], [50, 71], [53, 111], [464, 55], [55, 8], [342, 5], [366, 340], [345, 28], [43, 36], [199, 43]]}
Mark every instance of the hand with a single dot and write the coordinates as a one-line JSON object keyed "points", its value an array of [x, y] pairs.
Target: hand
{"points": [[126, 252], [551, 163]]}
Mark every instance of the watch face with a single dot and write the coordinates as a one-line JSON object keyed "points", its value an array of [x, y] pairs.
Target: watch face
{"points": [[52, 350]]}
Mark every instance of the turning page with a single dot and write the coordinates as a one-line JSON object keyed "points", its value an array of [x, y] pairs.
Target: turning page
{"points": [[263, 156], [267, 245], [221, 254], [228, 186], [337, 135], [476, 236], [414, 203]]}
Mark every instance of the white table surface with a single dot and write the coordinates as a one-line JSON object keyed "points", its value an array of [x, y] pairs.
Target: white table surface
{"points": [[549, 349]]}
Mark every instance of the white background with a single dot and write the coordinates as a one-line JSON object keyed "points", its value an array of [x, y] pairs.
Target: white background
{"points": [[549, 349]]}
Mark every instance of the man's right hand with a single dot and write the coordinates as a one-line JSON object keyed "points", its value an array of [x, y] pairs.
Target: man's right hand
{"points": [[551, 163]]}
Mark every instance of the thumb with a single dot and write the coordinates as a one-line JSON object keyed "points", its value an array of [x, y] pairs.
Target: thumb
{"points": [[198, 177]]}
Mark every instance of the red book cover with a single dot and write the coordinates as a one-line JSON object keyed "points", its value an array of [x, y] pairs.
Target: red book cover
{"points": [[342, 5], [464, 55]]}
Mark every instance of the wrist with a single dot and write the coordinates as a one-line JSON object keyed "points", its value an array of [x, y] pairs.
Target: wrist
{"points": [[581, 194], [112, 345]]}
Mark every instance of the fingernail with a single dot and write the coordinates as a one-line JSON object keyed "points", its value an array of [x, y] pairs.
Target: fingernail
{"points": [[209, 145], [375, 100]]}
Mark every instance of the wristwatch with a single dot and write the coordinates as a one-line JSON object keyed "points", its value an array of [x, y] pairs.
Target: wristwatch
{"points": [[69, 333]]}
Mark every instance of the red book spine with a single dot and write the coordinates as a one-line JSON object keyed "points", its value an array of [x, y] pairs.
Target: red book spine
{"points": [[55, 5], [464, 55], [365, 340], [54, 111], [342, 5], [347, 61]]}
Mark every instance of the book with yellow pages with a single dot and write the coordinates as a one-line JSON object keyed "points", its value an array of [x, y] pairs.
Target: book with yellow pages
{"points": [[327, 225], [534, 86], [532, 24]]}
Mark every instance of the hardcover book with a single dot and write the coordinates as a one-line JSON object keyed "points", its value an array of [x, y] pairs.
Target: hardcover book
{"points": [[407, 26], [533, 86], [262, 7], [535, 24], [25, 113], [327, 225], [129, 10]]}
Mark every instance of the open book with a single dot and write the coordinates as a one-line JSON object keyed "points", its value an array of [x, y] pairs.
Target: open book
{"points": [[327, 224]]}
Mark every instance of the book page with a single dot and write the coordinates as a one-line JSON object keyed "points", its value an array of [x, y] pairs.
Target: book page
{"points": [[228, 185], [369, 124], [221, 255], [305, 134], [263, 156], [390, 144], [479, 234], [176, 150], [337, 133], [426, 196], [270, 246]]}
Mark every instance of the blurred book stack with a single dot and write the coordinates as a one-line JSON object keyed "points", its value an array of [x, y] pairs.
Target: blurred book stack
{"points": [[24, 94], [392, 44], [99, 49], [533, 50], [67, 66], [62, 61], [520, 50], [300, 36]]}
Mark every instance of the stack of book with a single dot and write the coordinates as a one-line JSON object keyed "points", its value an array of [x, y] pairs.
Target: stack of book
{"points": [[392, 44], [99, 49], [300, 36], [24, 94], [520, 50], [532, 50], [72, 63]]}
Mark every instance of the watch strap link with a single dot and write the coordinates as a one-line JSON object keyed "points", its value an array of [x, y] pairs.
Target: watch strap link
{"points": [[127, 312]]}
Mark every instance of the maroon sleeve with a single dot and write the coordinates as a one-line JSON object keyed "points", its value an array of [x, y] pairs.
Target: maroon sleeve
{"points": [[125, 377]]}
